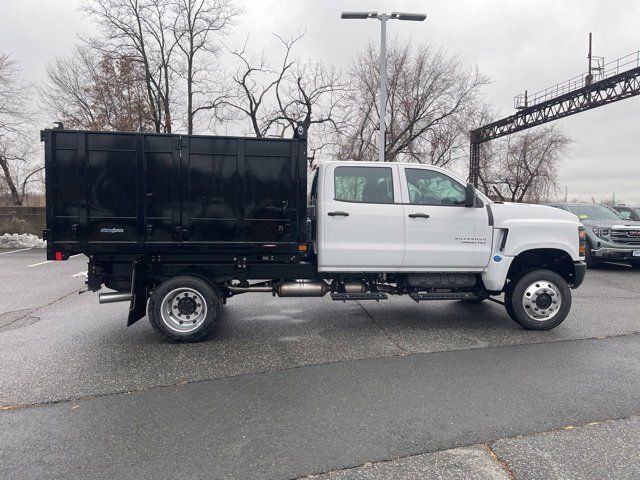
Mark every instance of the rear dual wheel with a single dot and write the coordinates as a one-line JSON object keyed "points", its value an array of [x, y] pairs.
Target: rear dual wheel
{"points": [[538, 300], [185, 309]]}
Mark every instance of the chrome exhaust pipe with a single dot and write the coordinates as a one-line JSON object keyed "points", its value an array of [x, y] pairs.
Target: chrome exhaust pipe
{"points": [[114, 297], [297, 288], [234, 289]]}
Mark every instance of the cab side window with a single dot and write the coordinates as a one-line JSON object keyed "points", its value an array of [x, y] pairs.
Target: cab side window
{"points": [[428, 187], [363, 184], [628, 214], [625, 214]]}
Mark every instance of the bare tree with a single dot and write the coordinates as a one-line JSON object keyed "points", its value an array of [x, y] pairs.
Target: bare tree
{"points": [[524, 167], [253, 85], [196, 22], [17, 167], [275, 98], [140, 30], [431, 97], [308, 94], [174, 43], [98, 93]]}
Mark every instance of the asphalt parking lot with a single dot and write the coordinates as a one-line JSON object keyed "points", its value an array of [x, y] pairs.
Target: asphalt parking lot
{"points": [[296, 388]]}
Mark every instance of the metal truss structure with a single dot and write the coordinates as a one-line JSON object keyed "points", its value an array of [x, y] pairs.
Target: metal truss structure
{"points": [[612, 86]]}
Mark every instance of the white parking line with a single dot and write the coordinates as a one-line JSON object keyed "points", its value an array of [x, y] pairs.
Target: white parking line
{"points": [[14, 251], [80, 274], [49, 261], [36, 264]]}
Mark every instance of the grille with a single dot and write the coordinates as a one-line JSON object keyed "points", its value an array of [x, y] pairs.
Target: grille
{"points": [[624, 237]]}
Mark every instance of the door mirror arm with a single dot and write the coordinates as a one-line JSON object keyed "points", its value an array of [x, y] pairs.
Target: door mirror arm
{"points": [[470, 196]]}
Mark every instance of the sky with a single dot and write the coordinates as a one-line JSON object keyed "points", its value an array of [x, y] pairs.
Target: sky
{"points": [[518, 44]]}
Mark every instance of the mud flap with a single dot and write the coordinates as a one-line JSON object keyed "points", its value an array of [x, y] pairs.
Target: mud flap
{"points": [[138, 306]]}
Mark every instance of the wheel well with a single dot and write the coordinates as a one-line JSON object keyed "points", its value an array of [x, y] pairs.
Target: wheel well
{"points": [[553, 259]]}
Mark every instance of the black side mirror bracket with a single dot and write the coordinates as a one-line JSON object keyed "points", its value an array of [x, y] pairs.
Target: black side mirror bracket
{"points": [[470, 196]]}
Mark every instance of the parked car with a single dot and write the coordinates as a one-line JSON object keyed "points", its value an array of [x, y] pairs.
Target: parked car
{"points": [[629, 212], [609, 235]]}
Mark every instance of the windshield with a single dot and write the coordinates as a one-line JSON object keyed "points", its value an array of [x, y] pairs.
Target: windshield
{"points": [[594, 212]]}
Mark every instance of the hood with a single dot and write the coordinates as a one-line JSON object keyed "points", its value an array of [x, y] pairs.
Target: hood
{"points": [[504, 212], [594, 222]]}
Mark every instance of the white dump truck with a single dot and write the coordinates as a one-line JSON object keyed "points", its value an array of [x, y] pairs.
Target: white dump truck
{"points": [[179, 225]]}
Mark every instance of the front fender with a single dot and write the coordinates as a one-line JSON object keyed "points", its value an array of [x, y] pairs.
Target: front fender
{"points": [[535, 234], [537, 226]]}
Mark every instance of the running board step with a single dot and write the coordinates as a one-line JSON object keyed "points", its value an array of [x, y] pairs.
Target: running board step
{"points": [[443, 296], [377, 296]]}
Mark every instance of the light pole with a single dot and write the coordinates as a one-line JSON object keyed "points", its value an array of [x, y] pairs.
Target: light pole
{"points": [[383, 17]]}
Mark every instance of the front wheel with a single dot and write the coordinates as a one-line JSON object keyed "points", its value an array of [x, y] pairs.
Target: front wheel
{"points": [[184, 309], [539, 300]]}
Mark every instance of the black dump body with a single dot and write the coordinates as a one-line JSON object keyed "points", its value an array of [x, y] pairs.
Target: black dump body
{"points": [[149, 194]]}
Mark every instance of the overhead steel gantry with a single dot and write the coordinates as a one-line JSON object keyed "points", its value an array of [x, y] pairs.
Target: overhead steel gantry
{"points": [[611, 82]]}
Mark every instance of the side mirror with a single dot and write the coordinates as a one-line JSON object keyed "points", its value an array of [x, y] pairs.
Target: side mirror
{"points": [[470, 196]]}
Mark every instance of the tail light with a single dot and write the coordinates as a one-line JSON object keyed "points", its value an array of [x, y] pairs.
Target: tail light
{"points": [[582, 241]]}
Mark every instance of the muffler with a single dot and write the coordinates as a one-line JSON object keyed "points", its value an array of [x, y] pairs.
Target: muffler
{"points": [[354, 286], [303, 288], [113, 297]]}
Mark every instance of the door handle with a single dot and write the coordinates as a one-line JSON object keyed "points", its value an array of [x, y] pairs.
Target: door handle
{"points": [[418, 215], [339, 213]]}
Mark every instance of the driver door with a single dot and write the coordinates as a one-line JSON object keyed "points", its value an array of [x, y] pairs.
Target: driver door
{"points": [[441, 233]]}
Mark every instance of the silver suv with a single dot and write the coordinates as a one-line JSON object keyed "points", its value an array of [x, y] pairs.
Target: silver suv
{"points": [[609, 236]]}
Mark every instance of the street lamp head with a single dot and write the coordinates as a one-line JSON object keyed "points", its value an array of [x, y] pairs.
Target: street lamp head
{"points": [[358, 15], [413, 17], [383, 17]]}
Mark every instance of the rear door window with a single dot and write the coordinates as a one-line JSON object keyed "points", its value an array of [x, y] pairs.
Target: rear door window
{"points": [[363, 184]]}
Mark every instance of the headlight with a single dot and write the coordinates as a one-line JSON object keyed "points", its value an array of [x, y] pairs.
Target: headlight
{"points": [[601, 232]]}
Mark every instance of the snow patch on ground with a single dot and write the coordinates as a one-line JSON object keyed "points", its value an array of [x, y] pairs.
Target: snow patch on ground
{"points": [[25, 240]]}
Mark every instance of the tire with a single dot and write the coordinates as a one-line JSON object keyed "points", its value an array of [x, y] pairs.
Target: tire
{"points": [[538, 300], [184, 309]]}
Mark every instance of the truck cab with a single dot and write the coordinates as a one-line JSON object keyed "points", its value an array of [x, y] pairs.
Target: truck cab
{"points": [[422, 218], [399, 218]]}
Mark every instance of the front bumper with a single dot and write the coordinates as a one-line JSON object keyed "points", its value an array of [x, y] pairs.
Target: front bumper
{"points": [[580, 271], [622, 254]]}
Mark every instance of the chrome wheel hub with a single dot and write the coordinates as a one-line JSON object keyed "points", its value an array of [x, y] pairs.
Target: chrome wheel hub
{"points": [[183, 310], [542, 300]]}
